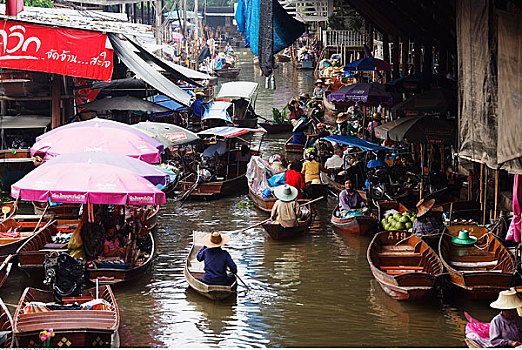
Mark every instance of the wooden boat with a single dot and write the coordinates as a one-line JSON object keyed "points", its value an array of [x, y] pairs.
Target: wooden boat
{"points": [[383, 206], [10, 242], [246, 123], [334, 187], [108, 273], [293, 147], [330, 112], [357, 225], [480, 270], [214, 189], [403, 264], [227, 73], [58, 211], [279, 233], [314, 191], [6, 327], [31, 255], [72, 328], [466, 210], [195, 269], [281, 58], [5, 269], [264, 204], [276, 128]]}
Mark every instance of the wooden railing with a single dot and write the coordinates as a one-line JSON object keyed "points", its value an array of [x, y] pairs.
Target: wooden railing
{"points": [[345, 38]]}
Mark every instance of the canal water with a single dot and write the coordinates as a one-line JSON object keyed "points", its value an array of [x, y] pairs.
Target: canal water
{"points": [[316, 291]]}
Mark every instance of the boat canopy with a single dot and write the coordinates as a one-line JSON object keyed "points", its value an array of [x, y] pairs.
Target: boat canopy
{"points": [[24, 122], [217, 110], [356, 142], [244, 89], [228, 131]]}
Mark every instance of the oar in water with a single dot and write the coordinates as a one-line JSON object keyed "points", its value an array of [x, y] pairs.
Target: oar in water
{"points": [[267, 220], [239, 278]]}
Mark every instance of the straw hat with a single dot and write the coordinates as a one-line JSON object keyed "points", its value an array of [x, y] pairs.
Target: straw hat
{"points": [[318, 81], [424, 206], [215, 239], [464, 238], [507, 300], [305, 95], [286, 193], [298, 124], [277, 167], [342, 117]]}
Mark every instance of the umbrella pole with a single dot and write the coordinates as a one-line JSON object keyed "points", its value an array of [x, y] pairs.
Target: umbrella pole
{"points": [[421, 191]]}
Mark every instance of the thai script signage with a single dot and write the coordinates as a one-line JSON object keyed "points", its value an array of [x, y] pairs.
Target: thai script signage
{"points": [[66, 51]]}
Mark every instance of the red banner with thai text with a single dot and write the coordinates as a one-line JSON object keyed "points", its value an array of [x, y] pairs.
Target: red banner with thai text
{"points": [[66, 51]]}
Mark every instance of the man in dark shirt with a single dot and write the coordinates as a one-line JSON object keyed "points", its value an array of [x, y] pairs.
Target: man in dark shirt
{"points": [[197, 108], [216, 260], [426, 222]]}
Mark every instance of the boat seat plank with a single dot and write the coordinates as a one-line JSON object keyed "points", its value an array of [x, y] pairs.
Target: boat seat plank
{"points": [[65, 250], [399, 272], [399, 247], [480, 271], [398, 254], [474, 264], [401, 267]]}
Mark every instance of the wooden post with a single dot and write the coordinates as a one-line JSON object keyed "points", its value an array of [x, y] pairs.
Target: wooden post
{"points": [[421, 187], [56, 115], [496, 194], [370, 37], [386, 52], [158, 22], [395, 57], [470, 185], [481, 181], [404, 55], [442, 168]]}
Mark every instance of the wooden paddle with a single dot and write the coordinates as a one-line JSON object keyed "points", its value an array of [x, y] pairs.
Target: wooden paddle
{"points": [[239, 278], [267, 220]]}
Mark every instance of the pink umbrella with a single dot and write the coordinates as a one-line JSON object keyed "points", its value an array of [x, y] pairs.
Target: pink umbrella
{"points": [[96, 139], [514, 228], [92, 183]]}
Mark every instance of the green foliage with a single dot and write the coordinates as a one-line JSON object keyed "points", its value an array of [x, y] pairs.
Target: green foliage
{"points": [[280, 116], [39, 3], [246, 205], [354, 21]]}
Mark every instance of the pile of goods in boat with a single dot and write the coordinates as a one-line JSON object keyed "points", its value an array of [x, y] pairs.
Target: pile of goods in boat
{"points": [[348, 214], [398, 221]]}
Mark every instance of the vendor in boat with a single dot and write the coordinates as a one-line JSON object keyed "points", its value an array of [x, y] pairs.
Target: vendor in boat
{"points": [[294, 178], [312, 169], [299, 137], [113, 246], [295, 109], [319, 89], [286, 211], [350, 199], [216, 260], [506, 328], [426, 222], [197, 108]]}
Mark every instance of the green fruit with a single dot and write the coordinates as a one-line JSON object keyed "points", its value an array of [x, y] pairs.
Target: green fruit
{"points": [[408, 225], [386, 227], [388, 216], [399, 226], [397, 216], [384, 222], [404, 218]]}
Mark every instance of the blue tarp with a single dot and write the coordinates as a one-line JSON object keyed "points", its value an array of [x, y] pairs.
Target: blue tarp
{"points": [[356, 142], [217, 110], [286, 28], [167, 102]]}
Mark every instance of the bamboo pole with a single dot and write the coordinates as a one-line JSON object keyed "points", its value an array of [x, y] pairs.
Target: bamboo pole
{"points": [[496, 194]]}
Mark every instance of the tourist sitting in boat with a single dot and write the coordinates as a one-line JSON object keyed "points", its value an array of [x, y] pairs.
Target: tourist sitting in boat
{"points": [[286, 211], [294, 178], [336, 162], [216, 260], [312, 169], [506, 328], [296, 112], [197, 108], [113, 245], [319, 89], [350, 200], [426, 222]]}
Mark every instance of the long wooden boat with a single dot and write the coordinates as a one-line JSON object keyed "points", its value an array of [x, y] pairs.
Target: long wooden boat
{"points": [[480, 270], [15, 231], [281, 58], [276, 128], [246, 123], [227, 73], [356, 225], [330, 112], [72, 328], [58, 211], [280, 233], [6, 327], [214, 189], [31, 255], [107, 273], [5, 269], [293, 147], [334, 187], [195, 269], [264, 204], [403, 264]]}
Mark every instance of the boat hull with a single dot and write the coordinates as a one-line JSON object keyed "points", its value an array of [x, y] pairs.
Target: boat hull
{"points": [[264, 204], [280, 233], [246, 123], [292, 147], [227, 73], [357, 225], [275, 128]]}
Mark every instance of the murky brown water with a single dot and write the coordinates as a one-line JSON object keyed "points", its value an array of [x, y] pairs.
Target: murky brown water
{"points": [[317, 291]]}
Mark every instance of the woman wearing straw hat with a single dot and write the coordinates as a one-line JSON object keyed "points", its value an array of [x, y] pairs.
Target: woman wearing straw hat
{"points": [[319, 89], [426, 222], [506, 328], [216, 260], [286, 210]]}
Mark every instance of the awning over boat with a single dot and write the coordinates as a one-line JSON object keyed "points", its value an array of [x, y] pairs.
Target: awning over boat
{"points": [[24, 122], [167, 102], [217, 110], [356, 142], [228, 131], [125, 50], [244, 89]]}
